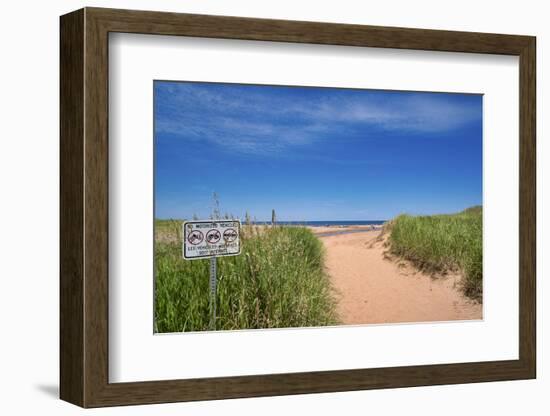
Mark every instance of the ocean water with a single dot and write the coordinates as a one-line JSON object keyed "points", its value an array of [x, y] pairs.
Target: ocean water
{"points": [[325, 223]]}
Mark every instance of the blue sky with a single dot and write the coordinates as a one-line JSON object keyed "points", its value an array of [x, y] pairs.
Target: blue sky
{"points": [[314, 154]]}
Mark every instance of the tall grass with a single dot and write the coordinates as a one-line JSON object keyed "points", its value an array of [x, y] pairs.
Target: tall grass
{"points": [[442, 243], [278, 281]]}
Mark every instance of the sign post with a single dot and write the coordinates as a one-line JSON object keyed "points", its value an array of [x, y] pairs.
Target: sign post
{"points": [[213, 285], [211, 239]]}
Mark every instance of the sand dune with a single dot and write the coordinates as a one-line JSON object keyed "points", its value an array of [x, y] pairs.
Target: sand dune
{"points": [[374, 289]]}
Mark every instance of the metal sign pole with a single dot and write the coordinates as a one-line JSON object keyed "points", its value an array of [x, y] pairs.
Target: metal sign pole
{"points": [[213, 293]]}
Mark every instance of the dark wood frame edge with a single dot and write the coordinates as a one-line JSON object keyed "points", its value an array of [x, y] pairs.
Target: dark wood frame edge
{"points": [[84, 207]]}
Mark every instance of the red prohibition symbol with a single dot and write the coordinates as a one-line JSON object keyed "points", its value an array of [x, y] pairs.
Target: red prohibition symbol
{"points": [[195, 237], [213, 236], [230, 235]]}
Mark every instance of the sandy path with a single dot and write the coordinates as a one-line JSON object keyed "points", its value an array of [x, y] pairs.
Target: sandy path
{"points": [[373, 289]]}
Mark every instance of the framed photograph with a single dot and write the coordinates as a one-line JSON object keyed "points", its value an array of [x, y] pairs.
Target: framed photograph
{"points": [[254, 207]]}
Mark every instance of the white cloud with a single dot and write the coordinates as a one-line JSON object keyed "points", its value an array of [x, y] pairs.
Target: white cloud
{"points": [[248, 121]]}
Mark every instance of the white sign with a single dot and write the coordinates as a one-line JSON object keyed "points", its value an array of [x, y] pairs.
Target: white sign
{"points": [[216, 238]]}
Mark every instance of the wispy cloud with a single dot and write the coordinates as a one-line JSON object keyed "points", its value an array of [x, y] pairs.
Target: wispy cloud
{"points": [[251, 121]]}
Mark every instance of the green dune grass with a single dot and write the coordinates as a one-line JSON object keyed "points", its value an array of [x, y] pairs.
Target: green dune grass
{"points": [[278, 281], [441, 243]]}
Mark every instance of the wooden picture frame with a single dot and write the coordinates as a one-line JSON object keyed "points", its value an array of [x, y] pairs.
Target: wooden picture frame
{"points": [[84, 207]]}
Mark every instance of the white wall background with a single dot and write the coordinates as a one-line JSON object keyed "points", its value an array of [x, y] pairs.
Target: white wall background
{"points": [[29, 158]]}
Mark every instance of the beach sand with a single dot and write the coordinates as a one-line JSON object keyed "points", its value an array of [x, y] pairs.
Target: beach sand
{"points": [[319, 230], [371, 288], [336, 228]]}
